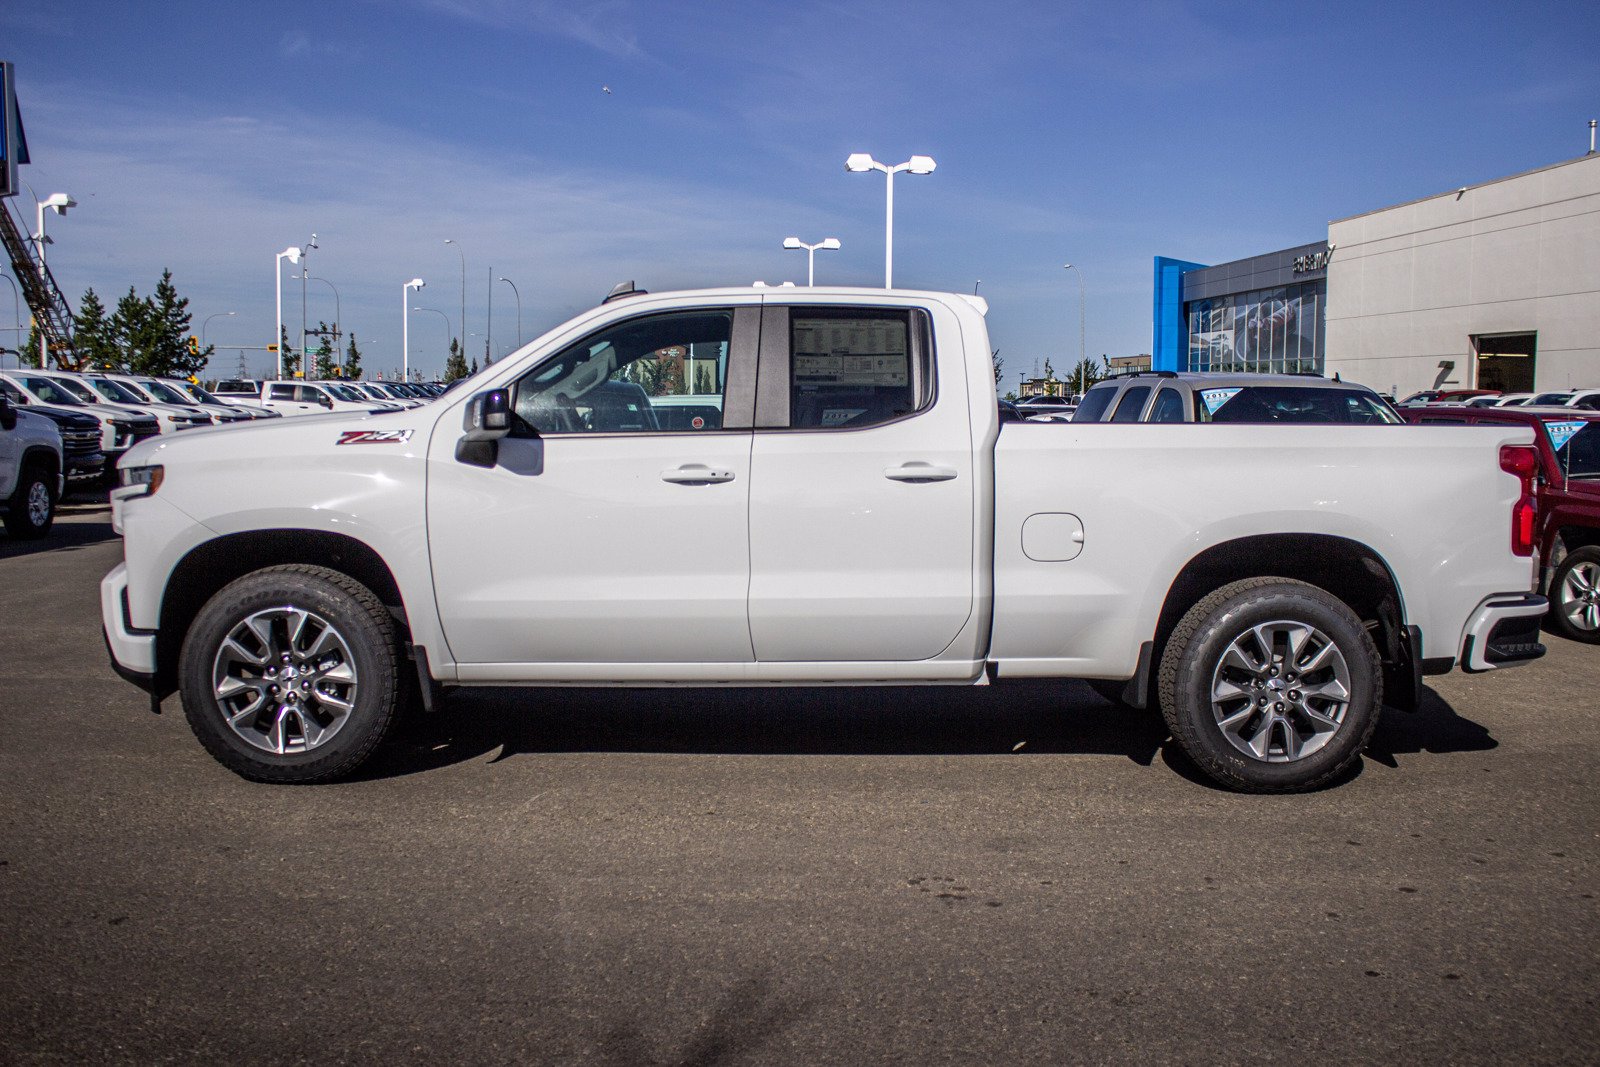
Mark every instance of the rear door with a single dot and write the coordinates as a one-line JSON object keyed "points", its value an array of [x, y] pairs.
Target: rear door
{"points": [[862, 494]]}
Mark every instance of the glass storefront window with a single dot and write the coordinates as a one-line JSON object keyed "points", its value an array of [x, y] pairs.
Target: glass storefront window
{"points": [[1277, 331]]}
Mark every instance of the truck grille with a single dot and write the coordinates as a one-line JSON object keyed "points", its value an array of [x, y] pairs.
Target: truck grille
{"points": [[80, 442]]}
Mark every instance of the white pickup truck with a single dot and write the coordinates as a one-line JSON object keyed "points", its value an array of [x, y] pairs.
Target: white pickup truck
{"points": [[837, 505]]}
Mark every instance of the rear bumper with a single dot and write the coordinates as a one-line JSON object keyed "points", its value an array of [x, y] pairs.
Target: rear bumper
{"points": [[1503, 632], [133, 651]]}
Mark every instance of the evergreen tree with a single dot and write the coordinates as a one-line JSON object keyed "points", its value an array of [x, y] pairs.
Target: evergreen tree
{"points": [[29, 356], [994, 358], [325, 365], [291, 358], [455, 366], [133, 331], [474, 368], [352, 359], [169, 354], [1087, 372], [92, 337]]}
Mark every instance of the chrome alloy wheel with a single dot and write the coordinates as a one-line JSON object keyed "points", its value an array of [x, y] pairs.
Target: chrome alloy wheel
{"points": [[39, 504], [1580, 597], [1280, 691], [285, 680]]}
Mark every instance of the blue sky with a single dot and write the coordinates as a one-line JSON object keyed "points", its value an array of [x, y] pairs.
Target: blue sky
{"points": [[205, 137]]}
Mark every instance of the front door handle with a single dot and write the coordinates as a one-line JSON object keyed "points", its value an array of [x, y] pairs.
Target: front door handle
{"points": [[919, 472], [696, 475]]}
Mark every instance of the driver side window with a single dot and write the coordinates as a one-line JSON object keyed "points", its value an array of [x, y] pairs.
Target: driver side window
{"points": [[655, 374]]}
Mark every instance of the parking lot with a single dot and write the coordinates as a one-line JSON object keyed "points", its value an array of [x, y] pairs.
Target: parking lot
{"points": [[1006, 874]]}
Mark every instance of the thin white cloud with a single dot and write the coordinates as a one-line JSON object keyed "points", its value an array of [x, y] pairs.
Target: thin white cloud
{"points": [[604, 26]]}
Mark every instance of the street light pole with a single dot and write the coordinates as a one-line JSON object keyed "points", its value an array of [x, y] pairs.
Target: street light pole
{"points": [[57, 202], [463, 254], [449, 335], [860, 163], [405, 326], [513, 285], [293, 256], [829, 243], [488, 329], [1082, 358], [207, 322]]}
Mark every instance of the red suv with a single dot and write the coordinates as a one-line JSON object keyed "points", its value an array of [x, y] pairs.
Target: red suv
{"points": [[1568, 493]]}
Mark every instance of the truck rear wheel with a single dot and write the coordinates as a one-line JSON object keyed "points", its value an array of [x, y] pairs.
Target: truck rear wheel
{"points": [[1271, 685], [291, 674], [1575, 596], [32, 508]]}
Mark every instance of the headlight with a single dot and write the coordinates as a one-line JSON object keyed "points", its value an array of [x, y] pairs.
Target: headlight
{"points": [[145, 479]]}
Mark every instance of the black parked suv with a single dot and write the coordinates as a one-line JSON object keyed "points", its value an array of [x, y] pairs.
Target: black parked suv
{"points": [[80, 442]]}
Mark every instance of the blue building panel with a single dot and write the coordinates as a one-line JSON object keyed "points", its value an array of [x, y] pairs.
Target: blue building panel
{"points": [[1169, 348]]}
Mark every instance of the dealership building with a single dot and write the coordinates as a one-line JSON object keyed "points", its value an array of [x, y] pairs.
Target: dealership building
{"points": [[1493, 286]]}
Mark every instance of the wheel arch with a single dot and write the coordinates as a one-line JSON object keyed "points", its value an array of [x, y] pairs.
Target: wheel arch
{"points": [[39, 454], [210, 566], [1347, 569]]}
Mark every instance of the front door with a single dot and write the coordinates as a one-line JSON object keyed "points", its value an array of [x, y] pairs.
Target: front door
{"points": [[862, 492], [609, 532]]}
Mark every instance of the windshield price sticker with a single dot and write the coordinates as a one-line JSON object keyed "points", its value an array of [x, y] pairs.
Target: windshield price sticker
{"points": [[1562, 432], [1215, 398]]}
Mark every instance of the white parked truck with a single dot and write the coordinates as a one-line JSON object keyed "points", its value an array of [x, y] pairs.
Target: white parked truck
{"points": [[839, 507]]}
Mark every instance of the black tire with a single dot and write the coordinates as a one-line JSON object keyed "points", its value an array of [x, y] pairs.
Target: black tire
{"points": [[1192, 665], [368, 633], [1574, 605], [36, 486]]}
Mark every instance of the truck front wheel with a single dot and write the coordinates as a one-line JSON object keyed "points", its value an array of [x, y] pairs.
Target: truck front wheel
{"points": [[32, 508], [1271, 685], [291, 674]]}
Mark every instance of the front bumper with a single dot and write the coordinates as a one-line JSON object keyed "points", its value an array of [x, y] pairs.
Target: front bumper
{"points": [[133, 651], [1503, 632]]}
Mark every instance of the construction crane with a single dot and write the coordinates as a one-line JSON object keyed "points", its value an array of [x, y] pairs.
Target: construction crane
{"points": [[51, 313]]}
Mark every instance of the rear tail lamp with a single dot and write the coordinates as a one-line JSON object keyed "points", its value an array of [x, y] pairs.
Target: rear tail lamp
{"points": [[1523, 461]]}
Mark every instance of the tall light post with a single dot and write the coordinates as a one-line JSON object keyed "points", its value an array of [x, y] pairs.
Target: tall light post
{"points": [[1081, 356], [513, 285], [463, 254], [293, 256], [448, 335], [16, 311], [831, 244], [207, 322], [57, 202], [861, 163], [405, 326]]}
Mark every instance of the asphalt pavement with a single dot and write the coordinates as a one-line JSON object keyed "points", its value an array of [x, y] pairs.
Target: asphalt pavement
{"points": [[1014, 874]]}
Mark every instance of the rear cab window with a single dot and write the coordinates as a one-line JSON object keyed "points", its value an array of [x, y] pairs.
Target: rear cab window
{"points": [[1131, 406], [1095, 402]]}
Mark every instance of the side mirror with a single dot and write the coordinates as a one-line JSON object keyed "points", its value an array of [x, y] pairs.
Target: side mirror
{"points": [[487, 419], [325, 400], [8, 414]]}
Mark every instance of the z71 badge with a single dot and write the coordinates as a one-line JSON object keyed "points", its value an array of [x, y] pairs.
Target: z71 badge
{"points": [[373, 437]]}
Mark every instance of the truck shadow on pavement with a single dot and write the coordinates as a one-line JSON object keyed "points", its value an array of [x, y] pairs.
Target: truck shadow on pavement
{"points": [[1016, 718], [63, 536]]}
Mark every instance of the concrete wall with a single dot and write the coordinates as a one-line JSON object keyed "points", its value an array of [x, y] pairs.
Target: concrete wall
{"points": [[1408, 286]]}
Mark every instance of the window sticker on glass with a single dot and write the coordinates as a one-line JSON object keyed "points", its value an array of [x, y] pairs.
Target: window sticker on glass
{"points": [[1215, 398], [850, 352], [1562, 432], [840, 416]]}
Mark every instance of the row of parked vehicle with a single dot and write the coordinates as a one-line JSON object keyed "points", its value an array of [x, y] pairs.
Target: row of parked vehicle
{"points": [[67, 429], [1587, 399]]}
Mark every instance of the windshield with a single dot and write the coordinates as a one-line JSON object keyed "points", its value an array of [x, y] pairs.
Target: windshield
{"points": [[198, 393], [113, 391], [1577, 446], [1551, 398], [344, 392], [139, 395], [50, 391], [77, 389], [163, 391], [1277, 403], [1094, 403]]}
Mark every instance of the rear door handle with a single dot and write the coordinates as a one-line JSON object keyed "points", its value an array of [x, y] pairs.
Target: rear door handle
{"points": [[919, 472], [690, 474]]}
